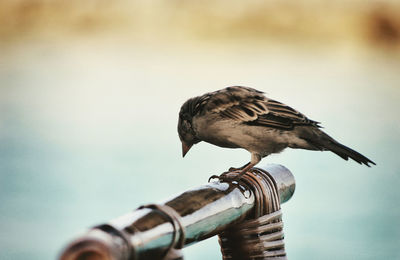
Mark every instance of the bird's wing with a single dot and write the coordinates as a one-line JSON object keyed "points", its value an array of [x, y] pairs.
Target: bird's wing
{"points": [[284, 116], [251, 107]]}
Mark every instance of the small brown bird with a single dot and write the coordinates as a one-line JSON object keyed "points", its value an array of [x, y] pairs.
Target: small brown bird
{"points": [[242, 117]]}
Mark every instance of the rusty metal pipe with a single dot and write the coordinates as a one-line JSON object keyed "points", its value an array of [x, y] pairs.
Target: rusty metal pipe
{"points": [[146, 234]]}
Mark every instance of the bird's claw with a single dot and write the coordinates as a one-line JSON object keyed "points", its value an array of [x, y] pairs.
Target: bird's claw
{"points": [[213, 177], [224, 176]]}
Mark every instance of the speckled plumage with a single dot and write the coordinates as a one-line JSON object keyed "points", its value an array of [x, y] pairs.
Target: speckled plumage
{"points": [[241, 117]]}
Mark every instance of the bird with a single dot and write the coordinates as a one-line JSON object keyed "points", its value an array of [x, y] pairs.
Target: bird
{"points": [[243, 117]]}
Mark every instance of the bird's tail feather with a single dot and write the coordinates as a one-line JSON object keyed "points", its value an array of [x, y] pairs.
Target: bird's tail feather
{"points": [[346, 153], [323, 141]]}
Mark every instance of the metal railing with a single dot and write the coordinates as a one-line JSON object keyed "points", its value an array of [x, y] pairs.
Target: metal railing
{"points": [[245, 215]]}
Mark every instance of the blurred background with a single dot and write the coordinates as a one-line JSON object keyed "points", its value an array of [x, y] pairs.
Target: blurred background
{"points": [[90, 93]]}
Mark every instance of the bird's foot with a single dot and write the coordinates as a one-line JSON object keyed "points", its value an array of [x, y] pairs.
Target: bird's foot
{"points": [[222, 178], [239, 175], [233, 169], [231, 179], [230, 172], [227, 176]]}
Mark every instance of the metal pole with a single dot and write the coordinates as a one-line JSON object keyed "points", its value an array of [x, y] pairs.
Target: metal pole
{"points": [[203, 212]]}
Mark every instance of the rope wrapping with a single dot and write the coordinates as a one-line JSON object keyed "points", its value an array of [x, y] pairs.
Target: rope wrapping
{"points": [[174, 251], [261, 235]]}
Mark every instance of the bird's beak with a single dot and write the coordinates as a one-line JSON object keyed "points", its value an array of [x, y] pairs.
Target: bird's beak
{"points": [[185, 148]]}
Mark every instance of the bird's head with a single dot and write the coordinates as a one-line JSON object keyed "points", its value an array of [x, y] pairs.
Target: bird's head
{"points": [[185, 129]]}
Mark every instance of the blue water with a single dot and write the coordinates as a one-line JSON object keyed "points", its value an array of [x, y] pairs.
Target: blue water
{"points": [[88, 133]]}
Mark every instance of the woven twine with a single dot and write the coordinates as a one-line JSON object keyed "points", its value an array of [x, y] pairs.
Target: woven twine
{"points": [[174, 251], [259, 237]]}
